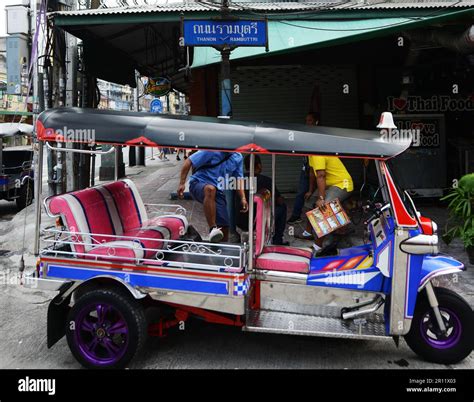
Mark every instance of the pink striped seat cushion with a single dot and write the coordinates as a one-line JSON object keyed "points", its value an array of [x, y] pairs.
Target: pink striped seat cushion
{"points": [[125, 199], [177, 225], [298, 251], [115, 209], [119, 251], [149, 238], [263, 214], [83, 212], [135, 245], [282, 262]]}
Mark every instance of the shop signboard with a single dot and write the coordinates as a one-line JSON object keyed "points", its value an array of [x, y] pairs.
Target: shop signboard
{"points": [[422, 168], [159, 86]]}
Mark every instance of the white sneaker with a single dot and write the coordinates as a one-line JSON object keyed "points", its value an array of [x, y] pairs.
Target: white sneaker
{"points": [[216, 235], [317, 248]]}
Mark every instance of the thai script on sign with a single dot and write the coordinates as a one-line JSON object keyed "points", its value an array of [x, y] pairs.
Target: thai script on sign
{"points": [[219, 32], [226, 29]]}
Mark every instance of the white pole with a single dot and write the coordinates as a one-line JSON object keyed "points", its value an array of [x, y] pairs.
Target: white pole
{"points": [[34, 78], [250, 202], [273, 192]]}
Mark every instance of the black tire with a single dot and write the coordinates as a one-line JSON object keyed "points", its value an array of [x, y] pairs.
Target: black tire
{"points": [[457, 314], [25, 195], [123, 308]]}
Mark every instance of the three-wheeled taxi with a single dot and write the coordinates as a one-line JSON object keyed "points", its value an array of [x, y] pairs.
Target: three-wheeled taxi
{"points": [[111, 256], [16, 174]]}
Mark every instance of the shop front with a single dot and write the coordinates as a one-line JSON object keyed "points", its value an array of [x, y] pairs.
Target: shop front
{"points": [[348, 72], [348, 64]]}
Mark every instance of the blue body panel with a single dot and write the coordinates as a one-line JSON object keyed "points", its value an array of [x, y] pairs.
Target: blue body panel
{"points": [[433, 264], [219, 287]]}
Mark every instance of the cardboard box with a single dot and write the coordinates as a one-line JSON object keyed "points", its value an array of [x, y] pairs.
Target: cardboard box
{"points": [[328, 218]]}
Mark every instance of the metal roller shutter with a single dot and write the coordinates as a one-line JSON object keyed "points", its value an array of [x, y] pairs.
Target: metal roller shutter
{"points": [[283, 94]]}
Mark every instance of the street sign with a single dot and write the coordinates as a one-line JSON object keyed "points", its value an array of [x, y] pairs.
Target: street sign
{"points": [[156, 106], [225, 32]]}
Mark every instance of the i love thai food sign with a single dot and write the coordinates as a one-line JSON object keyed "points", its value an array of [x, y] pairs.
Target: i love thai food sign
{"points": [[225, 32]]}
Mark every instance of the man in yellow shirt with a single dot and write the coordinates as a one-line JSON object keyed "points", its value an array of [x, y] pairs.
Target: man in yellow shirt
{"points": [[330, 178]]}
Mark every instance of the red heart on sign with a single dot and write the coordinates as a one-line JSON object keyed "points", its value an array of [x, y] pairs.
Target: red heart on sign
{"points": [[400, 103], [417, 126]]}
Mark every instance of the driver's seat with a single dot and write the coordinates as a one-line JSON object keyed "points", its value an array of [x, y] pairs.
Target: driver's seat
{"points": [[272, 257]]}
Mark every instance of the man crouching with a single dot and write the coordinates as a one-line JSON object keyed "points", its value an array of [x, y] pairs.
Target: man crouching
{"points": [[211, 170]]}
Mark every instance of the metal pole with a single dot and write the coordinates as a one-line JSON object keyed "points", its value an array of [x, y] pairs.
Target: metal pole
{"points": [[34, 13], [226, 95], [117, 161], [273, 192], [250, 201], [92, 171], [1, 155], [141, 150], [38, 192]]}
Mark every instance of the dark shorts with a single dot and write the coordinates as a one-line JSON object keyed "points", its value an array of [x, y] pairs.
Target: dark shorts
{"points": [[196, 188]]}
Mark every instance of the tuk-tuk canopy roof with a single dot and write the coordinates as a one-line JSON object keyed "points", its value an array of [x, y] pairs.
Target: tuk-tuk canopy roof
{"points": [[135, 128]]}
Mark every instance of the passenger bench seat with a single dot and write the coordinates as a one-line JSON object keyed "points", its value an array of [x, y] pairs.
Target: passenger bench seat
{"points": [[271, 257]]}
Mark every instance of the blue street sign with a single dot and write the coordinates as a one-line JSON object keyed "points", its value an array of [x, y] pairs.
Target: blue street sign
{"points": [[222, 32], [156, 106]]}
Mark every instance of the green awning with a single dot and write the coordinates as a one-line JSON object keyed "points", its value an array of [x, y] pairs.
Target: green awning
{"points": [[296, 35]]}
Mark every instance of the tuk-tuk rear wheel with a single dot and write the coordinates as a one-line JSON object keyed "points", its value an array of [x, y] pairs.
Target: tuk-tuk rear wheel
{"points": [[427, 340], [106, 328]]}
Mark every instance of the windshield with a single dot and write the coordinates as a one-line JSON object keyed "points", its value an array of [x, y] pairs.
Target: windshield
{"points": [[398, 179]]}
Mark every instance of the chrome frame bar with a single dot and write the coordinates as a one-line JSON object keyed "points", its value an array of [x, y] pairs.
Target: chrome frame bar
{"points": [[80, 151], [38, 192], [250, 202], [178, 247], [273, 192], [174, 209], [116, 162]]}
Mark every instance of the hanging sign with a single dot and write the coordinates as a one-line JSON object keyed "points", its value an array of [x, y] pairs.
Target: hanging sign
{"points": [[160, 86], [225, 32]]}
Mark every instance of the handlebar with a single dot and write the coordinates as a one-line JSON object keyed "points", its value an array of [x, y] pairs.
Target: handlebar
{"points": [[378, 212]]}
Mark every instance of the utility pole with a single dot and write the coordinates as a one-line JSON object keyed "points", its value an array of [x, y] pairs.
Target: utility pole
{"points": [[74, 163], [226, 85], [226, 111], [141, 150]]}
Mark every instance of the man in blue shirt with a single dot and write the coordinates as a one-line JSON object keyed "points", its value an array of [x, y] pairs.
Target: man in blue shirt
{"points": [[214, 172]]}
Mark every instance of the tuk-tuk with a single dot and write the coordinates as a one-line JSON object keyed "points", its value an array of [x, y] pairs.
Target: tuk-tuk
{"points": [[111, 256], [16, 173]]}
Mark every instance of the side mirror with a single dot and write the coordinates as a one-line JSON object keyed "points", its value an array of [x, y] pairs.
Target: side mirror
{"points": [[26, 165]]}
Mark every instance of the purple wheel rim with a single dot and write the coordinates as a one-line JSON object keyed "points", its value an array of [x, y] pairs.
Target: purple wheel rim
{"points": [[101, 334], [431, 333]]}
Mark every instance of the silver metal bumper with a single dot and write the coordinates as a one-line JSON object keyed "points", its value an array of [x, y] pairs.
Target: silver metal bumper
{"points": [[32, 282]]}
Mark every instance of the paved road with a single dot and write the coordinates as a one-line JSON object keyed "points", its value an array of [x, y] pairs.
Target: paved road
{"points": [[199, 345]]}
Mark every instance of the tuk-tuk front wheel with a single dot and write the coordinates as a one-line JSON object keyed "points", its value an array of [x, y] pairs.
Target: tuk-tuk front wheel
{"points": [[428, 341], [106, 328]]}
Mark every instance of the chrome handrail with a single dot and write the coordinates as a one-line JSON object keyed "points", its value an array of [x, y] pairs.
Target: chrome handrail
{"points": [[173, 247], [80, 151]]}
